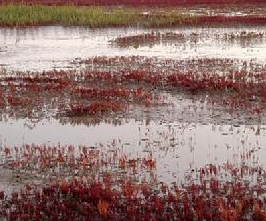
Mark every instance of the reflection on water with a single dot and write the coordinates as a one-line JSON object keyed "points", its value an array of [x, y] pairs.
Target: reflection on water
{"points": [[53, 47]]}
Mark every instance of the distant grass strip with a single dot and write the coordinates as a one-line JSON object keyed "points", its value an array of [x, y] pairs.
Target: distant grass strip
{"points": [[93, 16], [12, 15]]}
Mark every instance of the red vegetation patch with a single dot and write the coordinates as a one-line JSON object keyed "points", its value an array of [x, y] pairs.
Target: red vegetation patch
{"points": [[93, 108], [18, 101], [60, 92], [54, 162], [148, 39], [112, 93], [238, 84], [230, 83], [220, 19], [153, 64], [95, 91], [82, 198]]}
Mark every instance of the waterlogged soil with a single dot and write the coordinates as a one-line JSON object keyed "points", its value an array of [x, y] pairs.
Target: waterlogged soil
{"points": [[155, 131]]}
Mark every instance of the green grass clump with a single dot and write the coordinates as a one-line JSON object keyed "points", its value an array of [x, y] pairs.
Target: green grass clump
{"points": [[23, 15]]}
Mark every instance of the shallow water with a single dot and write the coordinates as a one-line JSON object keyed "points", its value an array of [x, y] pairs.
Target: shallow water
{"points": [[177, 147], [45, 48], [184, 135]]}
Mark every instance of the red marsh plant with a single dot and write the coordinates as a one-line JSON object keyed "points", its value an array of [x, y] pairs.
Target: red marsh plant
{"points": [[244, 35], [153, 64], [152, 38], [148, 39], [112, 93], [96, 107], [221, 19], [89, 92], [209, 198], [52, 162], [63, 92], [242, 87]]}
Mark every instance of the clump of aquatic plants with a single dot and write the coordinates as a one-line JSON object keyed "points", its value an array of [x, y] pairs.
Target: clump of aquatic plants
{"points": [[65, 93], [52, 162], [230, 85], [153, 64], [148, 39], [93, 108], [244, 35], [228, 77], [208, 198], [152, 38], [236, 19], [93, 91], [112, 93]]}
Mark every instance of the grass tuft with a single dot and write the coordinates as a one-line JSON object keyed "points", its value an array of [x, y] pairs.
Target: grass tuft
{"points": [[92, 16]]}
